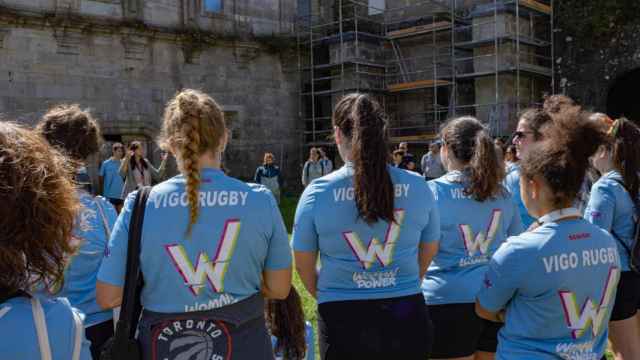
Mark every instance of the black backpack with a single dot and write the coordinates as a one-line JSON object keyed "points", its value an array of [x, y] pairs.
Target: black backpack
{"points": [[634, 251]]}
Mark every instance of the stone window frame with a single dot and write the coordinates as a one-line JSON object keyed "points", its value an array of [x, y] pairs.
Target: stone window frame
{"points": [[212, 14]]}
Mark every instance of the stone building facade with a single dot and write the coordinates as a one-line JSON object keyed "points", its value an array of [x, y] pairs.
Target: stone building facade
{"points": [[124, 59]]}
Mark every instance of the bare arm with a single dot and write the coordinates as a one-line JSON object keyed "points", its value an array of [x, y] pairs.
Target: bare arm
{"points": [[101, 185], [306, 267], [124, 165], [276, 284], [108, 296], [489, 315], [426, 253]]}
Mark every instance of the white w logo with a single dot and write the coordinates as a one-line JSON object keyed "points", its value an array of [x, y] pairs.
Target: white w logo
{"points": [[384, 253], [205, 269], [482, 241], [579, 319]]}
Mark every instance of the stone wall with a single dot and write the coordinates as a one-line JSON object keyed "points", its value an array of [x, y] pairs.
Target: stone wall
{"points": [[126, 72]]}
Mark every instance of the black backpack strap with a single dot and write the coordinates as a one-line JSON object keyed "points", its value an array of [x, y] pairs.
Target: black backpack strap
{"points": [[131, 307]]}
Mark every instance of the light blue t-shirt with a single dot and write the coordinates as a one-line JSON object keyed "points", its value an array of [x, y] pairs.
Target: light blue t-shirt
{"points": [[238, 235], [113, 183], [610, 207], [18, 329], [512, 183], [361, 261], [470, 232], [558, 285], [309, 341], [81, 273]]}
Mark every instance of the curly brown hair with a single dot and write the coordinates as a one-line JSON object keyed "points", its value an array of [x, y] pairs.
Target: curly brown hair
{"points": [[193, 124], [38, 209], [562, 158], [364, 123], [72, 130]]}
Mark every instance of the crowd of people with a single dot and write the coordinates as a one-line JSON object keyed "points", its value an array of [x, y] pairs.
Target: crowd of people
{"points": [[526, 250]]}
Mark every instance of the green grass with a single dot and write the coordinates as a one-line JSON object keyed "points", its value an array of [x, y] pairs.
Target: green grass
{"points": [[309, 305]]}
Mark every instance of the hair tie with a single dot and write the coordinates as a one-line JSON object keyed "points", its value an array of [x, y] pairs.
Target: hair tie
{"points": [[613, 128]]}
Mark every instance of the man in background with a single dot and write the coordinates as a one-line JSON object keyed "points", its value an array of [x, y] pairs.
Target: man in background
{"points": [[111, 182], [431, 163]]}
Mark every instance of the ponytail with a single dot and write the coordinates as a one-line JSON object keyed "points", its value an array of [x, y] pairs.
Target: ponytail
{"points": [[562, 158], [362, 120], [468, 141], [624, 136], [285, 320], [486, 171], [193, 124]]}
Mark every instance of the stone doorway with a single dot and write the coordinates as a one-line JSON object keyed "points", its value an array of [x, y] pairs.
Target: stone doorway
{"points": [[624, 96]]}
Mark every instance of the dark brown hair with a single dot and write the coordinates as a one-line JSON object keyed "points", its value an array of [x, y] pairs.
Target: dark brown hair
{"points": [[133, 146], [285, 320], [623, 143], [363, 123], [554, 104], [72, 130], [562, 158], [193, 124], [536, 120], [38, 209], [468, 140]]}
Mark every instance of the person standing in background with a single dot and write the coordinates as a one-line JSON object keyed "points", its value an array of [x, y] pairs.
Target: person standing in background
{"points": [[269, 175], [431, 162], [510, 159], [327, 164], [137, 170], [313, 168], [111, 182]]}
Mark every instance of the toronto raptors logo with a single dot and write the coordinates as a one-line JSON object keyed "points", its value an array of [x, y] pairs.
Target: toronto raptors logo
{"points": [[191, 340]]}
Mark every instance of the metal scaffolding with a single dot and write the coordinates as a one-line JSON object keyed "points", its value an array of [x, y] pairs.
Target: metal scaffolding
{"points": [[426, 62]]}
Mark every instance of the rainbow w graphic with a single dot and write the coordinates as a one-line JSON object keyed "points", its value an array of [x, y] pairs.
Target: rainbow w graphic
{"points": [[383, 252], [591, 314], [213, 271], [482, 241]]}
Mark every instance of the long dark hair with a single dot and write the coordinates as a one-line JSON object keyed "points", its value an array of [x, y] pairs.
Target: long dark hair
{"points": [[132, 162], [363, 123], [623, 142], [285, 320], [562, 158], [471, 144]]}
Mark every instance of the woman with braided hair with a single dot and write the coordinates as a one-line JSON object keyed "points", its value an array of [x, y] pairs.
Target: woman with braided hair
{"points": [[375, 228], [212, 248]]}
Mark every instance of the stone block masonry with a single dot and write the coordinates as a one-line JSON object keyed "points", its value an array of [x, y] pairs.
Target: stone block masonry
{"points": [[126, 67]]}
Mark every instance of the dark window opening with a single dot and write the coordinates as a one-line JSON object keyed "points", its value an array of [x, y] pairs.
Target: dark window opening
{"points": [[622, 99]]}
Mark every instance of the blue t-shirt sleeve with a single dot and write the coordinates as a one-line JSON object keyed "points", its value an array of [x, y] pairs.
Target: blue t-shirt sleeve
{"points": [[113, 267], [279, 253], [515, 227], [431, 232], [600, 208], [305, 235], [502, 278]]}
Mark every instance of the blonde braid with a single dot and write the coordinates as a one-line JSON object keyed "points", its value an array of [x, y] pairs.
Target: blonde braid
{"points": [[190, 150], [193, 124]]}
